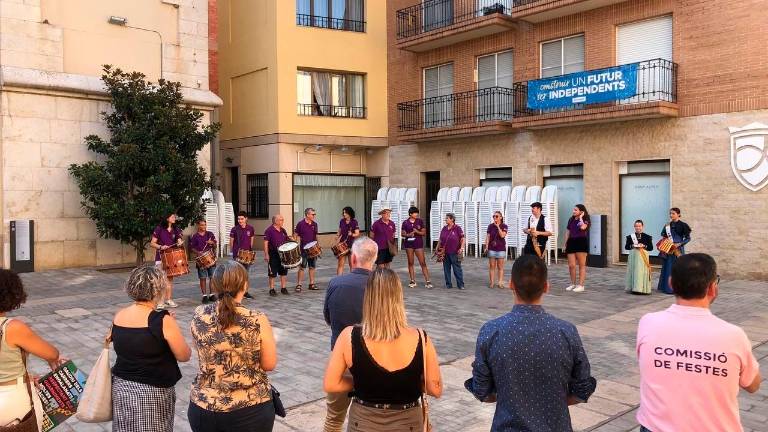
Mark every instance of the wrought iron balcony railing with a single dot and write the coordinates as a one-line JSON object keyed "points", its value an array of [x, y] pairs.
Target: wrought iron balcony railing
{"points": [[472, 107], [656, 82], [433, 15], [330, 23], [331, 111]]}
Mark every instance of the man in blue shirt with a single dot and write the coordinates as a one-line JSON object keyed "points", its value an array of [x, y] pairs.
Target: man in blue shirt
{"points": [[343, 308], [530, 363]]}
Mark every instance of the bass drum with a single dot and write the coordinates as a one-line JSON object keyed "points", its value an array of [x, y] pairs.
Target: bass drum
{"points": [[290, 255]]}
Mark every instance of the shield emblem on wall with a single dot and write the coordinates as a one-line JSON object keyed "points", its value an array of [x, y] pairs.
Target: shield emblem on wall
{"points": [[749, 155]]}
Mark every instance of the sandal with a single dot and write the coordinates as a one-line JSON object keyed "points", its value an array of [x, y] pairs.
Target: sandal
{"points": [[313, 287], [298, 288]]}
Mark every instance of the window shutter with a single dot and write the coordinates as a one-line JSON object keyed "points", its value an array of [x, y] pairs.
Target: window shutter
{"points": [[644, 40], [486, 71], [504, 70], [551, 58], [445, 80], [573, 54], [430, 82]]}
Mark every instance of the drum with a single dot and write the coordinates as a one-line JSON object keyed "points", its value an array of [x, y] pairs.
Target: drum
{"points": [[667, 246], [174, 261], [290, 255], [245, 257], [205, 260], [313, 249], [340, 250]]}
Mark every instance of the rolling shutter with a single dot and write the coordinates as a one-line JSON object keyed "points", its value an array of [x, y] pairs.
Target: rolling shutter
{"points": [[644, 40]]}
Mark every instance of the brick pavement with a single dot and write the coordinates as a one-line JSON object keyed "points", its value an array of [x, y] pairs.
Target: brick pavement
{"points": [[74, 308]]}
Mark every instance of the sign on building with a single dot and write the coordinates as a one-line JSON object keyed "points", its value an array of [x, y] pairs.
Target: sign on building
{"points": [[749, 155], [589, 87]]}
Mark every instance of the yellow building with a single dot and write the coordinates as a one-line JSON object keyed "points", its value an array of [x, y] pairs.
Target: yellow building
{"points": [[304, 120]]}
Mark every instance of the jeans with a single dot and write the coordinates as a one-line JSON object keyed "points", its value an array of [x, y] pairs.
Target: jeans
{"points": [[451, 261], [644, 429], [255, 418]]}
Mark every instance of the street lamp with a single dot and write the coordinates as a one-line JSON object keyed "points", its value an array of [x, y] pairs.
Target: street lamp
{"points": [[123, 22]]}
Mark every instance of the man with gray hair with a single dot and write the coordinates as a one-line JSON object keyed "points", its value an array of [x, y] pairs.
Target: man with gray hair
{"points": [[274, 237], [306, 233], [343, 308]]}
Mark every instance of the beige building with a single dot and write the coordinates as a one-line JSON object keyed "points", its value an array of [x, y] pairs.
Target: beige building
{"points": [[305, 107], [51, 52]]}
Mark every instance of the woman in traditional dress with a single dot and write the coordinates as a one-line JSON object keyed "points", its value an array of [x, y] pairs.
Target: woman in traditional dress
{"points": [[638, 263], [680, 233]]}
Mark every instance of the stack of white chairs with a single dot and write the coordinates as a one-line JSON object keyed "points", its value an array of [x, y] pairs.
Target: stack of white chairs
{"points": [[549, 209], [471, 217], [436, 216]]}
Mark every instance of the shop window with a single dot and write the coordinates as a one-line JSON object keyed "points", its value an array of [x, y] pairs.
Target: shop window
{"points": [[328, 194]]}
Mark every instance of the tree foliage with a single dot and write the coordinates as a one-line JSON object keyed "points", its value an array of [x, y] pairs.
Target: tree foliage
{"points": [[148, 168]]}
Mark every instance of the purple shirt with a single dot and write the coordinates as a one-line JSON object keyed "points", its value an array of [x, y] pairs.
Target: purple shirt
{"points": [[450, 239], [242, 238], [413, 242], [199, 242], [383, 232], [495, 241], [306, 231], [166, 238], [275, 238], [574, 230], [347, 229]]}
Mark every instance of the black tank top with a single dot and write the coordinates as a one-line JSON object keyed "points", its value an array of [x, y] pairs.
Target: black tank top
{"points": [[375, 384], [143, 354]]}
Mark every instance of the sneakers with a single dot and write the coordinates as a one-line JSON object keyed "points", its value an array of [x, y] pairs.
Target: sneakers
{"points": [[205, 299], [579, 288], [428, 285], [272, 292], [247, 295], [412, 284], [570, 287], [284, 291], [171, 304], [461, 287]]}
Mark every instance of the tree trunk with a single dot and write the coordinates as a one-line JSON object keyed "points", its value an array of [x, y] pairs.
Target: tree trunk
{"points": [[139, 246]]}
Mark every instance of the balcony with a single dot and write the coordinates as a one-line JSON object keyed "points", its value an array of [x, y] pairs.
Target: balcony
{"points": [[318, 110], [478, 112], [535, 11], [438, 23], [330, 23], [648, 90]]}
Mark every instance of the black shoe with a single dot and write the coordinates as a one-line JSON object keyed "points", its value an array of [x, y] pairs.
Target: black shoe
{"points": [[212, 298], [248, 295], [284, 291], [205, 299], [272, 292]]}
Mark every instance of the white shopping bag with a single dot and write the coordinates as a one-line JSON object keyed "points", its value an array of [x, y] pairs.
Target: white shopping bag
{"points": [[95, 405]]}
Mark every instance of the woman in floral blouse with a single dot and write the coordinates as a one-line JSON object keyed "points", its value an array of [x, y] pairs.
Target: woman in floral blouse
{"points": [[235, 348]]}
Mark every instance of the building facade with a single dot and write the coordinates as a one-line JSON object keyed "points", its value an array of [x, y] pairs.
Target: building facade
{"points": [[51, 97], [304, 121], [630, 107]]}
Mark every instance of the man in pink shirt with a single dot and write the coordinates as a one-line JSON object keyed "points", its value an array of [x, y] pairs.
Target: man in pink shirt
{"points": [[692, 363]]}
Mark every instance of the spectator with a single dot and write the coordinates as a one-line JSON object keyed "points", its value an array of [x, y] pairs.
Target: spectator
{"points": [[530, 363], [343, 308], [149, 345], [386, 361], [16, 338], [692, 363], [235, 348]]}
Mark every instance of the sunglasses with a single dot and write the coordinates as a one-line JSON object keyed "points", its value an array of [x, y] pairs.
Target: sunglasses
{"points": [[717, 281], [495, 216]]}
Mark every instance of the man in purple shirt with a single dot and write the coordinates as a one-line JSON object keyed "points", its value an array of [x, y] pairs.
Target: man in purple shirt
{"points": [[200, 242], [306, 231], [241, 237], [274, 237], [382, 232], [452, 243]]}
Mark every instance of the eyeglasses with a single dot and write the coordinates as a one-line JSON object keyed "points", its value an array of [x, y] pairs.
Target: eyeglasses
{"points": [[313, 214], [717, 281], [495, 216]]}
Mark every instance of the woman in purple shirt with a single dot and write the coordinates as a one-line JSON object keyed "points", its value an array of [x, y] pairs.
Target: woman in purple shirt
{"points": [[496, 246], [452, 245], [166, 235], [349, 230], [414, 230], [577, 246]]}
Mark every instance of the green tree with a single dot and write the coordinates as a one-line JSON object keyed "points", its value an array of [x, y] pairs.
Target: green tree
{"points": [[148, 168]]}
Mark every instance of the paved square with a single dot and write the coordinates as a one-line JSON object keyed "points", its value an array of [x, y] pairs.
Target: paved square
{"points": [[73, 309]]}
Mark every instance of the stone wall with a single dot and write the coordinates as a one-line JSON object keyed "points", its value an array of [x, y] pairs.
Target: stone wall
{"points": [[728, 220]]}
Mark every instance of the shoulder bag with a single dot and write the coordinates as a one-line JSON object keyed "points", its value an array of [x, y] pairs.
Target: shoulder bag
{"points": [[29, 422], [424, 404]]}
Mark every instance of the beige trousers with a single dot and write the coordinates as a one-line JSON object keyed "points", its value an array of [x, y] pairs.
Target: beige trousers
{"points": [[337, 406]]}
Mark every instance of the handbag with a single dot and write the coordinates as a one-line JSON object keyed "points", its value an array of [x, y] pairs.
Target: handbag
{"points": [[392, 245], [279, 408], [424, 404], [29, 422], [95, 405]]}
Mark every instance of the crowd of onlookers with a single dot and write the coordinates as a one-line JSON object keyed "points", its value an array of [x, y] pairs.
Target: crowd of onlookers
{"points": [[530, 363]]}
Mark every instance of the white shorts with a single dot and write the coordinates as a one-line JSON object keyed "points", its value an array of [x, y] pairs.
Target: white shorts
{"points": [[14, 403]]}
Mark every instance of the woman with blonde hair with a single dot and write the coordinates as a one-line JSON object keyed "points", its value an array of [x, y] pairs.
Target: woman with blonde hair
{"points": [[496, 248], [386, 359], [149, 344], [235, 348]]}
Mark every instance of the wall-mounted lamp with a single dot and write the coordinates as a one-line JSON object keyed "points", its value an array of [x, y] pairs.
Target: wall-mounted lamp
{"points": [[116, 20], [123, 22]]}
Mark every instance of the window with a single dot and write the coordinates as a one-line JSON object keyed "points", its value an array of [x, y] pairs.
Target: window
{"points": [[328, 194], [438, 88], [258, 195], [494, 70], [497, 177], [569, 180], [332, 94], [332, 14], [644, 194], [562, 56]]}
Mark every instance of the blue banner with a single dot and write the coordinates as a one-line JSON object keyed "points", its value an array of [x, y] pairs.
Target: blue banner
{"points": [[595, 86]]}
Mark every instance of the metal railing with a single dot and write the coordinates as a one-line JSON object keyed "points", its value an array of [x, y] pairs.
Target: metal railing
{"points": [[472, 107], [331, 111], [656, 81], [330, 23], [432, 15]]}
